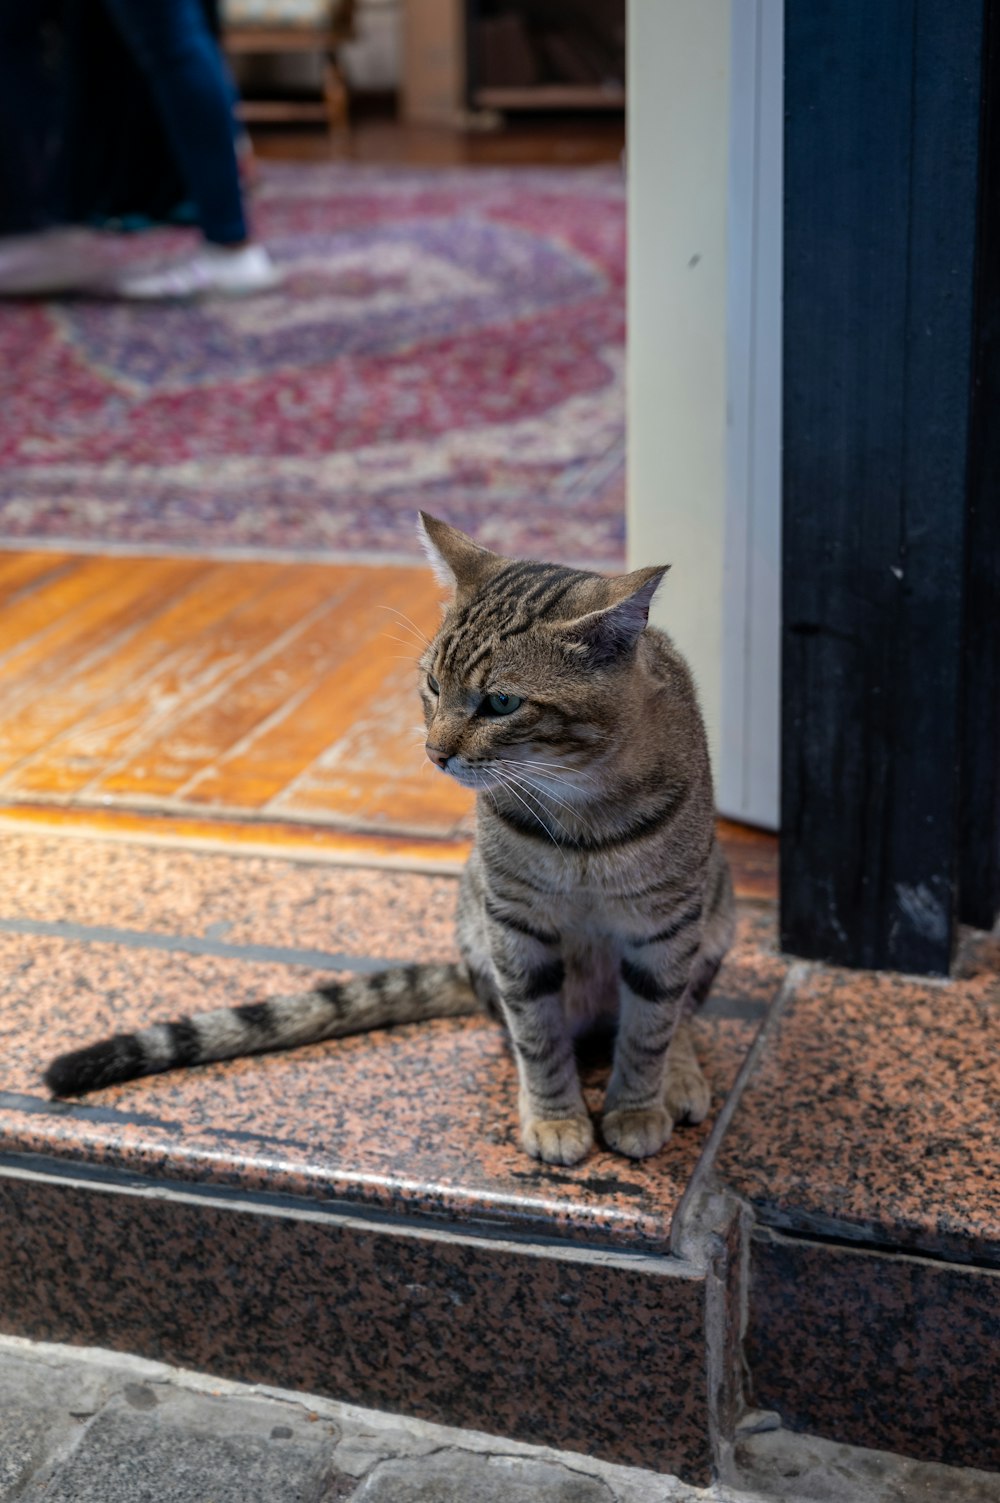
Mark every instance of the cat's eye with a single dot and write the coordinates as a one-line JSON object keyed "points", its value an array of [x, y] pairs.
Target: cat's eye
{"points": [[433, 684], [501, 704]]}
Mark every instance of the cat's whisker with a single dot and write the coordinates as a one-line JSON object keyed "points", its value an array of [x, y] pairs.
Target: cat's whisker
{"points": [[534, 814], [404, 620], [589, 788], [523, 781], [545, 797], [570, 772], [579, 772], [542, 793], [388, 637], [551, 814], [524, 769], [491, 795], [512, 787]]}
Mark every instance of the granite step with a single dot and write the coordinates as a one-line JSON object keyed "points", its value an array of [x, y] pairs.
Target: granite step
{"points": [[353, 1219], [357, 1219], [865, 1145]]}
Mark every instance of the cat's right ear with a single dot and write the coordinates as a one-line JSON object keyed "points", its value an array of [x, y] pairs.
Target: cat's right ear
{"points": [[457, 561]]}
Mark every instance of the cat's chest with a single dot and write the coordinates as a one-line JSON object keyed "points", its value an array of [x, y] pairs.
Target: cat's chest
{"points": [[585, 912], [584, 895]]}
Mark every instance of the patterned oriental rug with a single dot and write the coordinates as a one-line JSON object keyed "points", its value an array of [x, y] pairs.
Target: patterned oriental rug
{"points": [[447, 339]]}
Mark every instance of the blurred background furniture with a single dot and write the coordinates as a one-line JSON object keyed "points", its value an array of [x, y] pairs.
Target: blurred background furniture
{"points": [[546, 54], [274, 29], [464, 59]]}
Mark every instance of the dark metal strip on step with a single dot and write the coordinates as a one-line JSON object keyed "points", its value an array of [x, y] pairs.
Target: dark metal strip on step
{"points": [[719, 1005], [42, 1106], [193, 944]]}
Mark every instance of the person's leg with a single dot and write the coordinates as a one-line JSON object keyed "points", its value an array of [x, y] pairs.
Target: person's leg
{"points": [[41, 252], [171, 41], [28, 118]]}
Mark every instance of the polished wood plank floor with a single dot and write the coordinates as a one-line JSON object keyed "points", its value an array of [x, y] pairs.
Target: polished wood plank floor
{"points": [[554, 141], [249, 690], [249, 705]]}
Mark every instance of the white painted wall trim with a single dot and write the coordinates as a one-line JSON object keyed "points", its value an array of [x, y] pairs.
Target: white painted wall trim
{"points": [[678, 146], [704, 358], [748, 766]]}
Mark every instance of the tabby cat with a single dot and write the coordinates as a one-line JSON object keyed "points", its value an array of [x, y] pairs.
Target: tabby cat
{"points": [[596, 893]]}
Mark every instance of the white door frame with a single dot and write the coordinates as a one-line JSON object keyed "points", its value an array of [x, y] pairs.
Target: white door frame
{"points": [[704, 361]]}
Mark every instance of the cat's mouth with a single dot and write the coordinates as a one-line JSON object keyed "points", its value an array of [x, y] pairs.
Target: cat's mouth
{"points": [[479, 779]]}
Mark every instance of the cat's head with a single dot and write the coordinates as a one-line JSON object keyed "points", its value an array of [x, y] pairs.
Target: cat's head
{"points": [[529, 665]]}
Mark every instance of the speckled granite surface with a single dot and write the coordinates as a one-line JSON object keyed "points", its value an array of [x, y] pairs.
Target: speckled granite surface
{"points": [[237, 899], [595, 1355], [872, 1120], [874, 1112], [877, 1349], [477, 1288], [420, 1120], [870, 1117]]}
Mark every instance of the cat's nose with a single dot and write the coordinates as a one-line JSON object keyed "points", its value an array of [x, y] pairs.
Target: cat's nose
{"points": [[438, 757]]}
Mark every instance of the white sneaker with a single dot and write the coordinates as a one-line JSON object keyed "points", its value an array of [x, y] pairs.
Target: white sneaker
{"points": [[211, 272], [45, 262]]}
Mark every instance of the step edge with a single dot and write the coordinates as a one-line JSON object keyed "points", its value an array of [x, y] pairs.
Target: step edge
{"points": [[771, 1232], [37, 1168], [698, 1212]]}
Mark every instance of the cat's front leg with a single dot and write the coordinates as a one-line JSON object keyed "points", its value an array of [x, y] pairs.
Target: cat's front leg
{"points": [[555, 1126], [638, 1118]]}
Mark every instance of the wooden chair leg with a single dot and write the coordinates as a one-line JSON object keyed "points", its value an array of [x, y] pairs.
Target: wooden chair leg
{"points": [[335, 94]]}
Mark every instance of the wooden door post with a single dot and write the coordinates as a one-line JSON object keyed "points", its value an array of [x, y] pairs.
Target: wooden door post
{"points": [[884, 208]]}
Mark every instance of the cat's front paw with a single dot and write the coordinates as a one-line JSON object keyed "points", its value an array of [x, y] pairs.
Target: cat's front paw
{"points": [[687, 1095], [557, 1140], [637, 1132]]}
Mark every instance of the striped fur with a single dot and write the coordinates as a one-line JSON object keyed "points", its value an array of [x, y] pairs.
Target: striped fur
{"points": [[406, 994], [596, 892]]}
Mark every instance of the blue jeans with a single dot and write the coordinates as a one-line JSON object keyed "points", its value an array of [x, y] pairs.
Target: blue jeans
{"points": [[172, 43], [29, 121]]}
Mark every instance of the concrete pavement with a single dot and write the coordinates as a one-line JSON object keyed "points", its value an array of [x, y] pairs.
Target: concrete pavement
{"points": [[88, 1426]]}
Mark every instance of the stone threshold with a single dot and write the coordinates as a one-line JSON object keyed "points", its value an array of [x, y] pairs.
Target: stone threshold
{"points": [[861, 1142], [601, 1352], [358, 1220]]}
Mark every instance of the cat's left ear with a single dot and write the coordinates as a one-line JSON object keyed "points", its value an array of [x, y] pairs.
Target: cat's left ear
{"points": [[610, 633], [458, 562]]}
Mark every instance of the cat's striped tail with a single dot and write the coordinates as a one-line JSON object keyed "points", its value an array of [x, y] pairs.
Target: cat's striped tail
{"points": [[404, 994]]}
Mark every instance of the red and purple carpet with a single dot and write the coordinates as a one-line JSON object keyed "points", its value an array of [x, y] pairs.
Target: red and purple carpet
{"points": [[448, 339]]}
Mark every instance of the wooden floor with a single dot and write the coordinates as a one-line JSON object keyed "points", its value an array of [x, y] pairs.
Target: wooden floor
{"points": [[282, 691], [555, 141], [249, 704]]}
